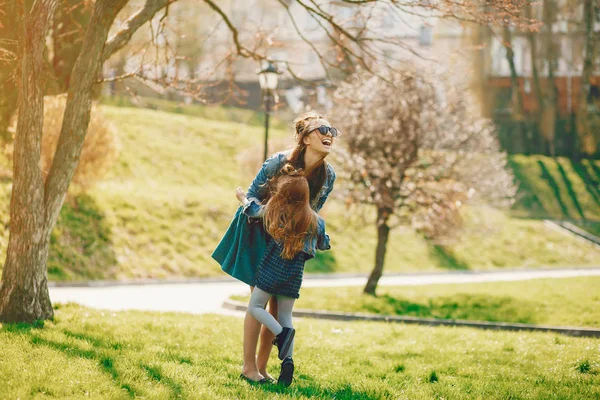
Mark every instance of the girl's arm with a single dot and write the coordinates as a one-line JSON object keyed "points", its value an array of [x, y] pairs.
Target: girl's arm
{"points": [[252, 208]]}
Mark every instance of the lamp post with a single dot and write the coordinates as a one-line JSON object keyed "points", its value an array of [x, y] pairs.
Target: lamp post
{"points": [[267, 78]]}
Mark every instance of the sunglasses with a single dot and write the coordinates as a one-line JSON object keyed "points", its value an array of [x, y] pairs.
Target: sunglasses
{"points": [[324, 129]]}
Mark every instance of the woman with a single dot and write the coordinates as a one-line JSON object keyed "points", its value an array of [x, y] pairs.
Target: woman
{"points": [[296, 231], [244, 244]]}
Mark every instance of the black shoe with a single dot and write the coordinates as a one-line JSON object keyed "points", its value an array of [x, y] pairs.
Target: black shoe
{"points": [[287, 372], [283, 341]]}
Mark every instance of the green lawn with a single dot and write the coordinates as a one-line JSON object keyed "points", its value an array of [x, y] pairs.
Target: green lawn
{"points": [[561, 302], [591, 227], [169, 199], [95, 354], [557, 188]]}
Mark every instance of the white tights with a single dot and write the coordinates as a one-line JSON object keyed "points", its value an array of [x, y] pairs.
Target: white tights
{"points": [[256, 308]]}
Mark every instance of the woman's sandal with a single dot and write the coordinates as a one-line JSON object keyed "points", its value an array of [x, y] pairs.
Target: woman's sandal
{"points": [[253, 382], [287, 372], [283, 341]]}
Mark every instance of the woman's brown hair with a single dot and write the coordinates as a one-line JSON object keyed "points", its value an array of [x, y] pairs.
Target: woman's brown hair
{"points": [[304, 125], [288, 215]]}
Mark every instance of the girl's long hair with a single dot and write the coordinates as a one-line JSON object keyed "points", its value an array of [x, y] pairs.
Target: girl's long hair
{"points": [[288, 215]]}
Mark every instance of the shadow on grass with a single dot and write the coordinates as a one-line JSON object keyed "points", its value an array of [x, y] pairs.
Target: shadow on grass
{"points": [[305, 386], [592, 185], [155, 374], [445, 259], [595, 168], [526, 198], [104, 361], [93, 340], [323, 262], [569, 186], [473, 307], [81, 245], [545, 174]]}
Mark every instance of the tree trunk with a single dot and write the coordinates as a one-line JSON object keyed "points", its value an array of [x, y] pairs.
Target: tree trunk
{"points": [[536, 79], [518, 113], [9, 29], [383, 233], [584, 131], [24, 291], [34, 206], [550, 109], [78, 108]]}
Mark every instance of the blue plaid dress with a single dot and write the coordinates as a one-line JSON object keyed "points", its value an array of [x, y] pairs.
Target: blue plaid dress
{"points": [[279, 276]]}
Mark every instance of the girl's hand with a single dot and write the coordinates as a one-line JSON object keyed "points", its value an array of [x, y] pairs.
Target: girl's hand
{"points": [[240, 194]]}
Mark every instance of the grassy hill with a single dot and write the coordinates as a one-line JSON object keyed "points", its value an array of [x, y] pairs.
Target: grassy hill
{"points": [[170, 197], [557, 188]]}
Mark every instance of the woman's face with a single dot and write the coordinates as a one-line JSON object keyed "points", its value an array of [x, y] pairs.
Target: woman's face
{"points": [[319, 143]]}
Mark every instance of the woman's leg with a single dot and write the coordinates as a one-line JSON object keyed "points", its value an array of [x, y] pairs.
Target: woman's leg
{"points": [[251, 332], [266, 342], [285, 306], [256, 308]]}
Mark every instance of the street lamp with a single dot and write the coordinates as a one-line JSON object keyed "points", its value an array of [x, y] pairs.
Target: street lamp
{"points": [[267, 78]]}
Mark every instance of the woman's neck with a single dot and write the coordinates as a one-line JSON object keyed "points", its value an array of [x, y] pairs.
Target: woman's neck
{"points": [[311, 160]]}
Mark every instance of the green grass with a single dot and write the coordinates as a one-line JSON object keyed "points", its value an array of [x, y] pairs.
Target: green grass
{"points": [[557, 188], [96, 354], [560, 302], [591, 227], [213, 112], [170, 197]]}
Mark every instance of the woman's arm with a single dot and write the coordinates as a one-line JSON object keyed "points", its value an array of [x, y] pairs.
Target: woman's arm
{"points": [[252, 208]]}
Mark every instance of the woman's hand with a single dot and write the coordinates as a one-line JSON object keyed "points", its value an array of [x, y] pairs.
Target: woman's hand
{"points": [[240, 194]]}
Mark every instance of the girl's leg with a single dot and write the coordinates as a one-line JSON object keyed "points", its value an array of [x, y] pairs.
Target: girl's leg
{"points": [[251, 331], [256, 308], [266, 342], [285, 306]]}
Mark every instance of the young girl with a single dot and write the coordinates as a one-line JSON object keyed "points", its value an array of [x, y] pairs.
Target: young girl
{"points": [[296, 232]]}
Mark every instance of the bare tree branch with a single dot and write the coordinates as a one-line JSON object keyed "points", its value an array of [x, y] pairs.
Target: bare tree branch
{"points": [[133, 23], [243, 51]]}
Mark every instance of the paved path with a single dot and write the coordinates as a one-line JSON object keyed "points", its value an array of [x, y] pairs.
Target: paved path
{"points": [[208, 297]]}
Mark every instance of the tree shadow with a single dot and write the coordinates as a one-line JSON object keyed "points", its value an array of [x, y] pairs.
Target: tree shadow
{"points": [[305, 386], [445, 259], [81, 245], [545, 174], [592, 185], [155, 374], [323, 262], [105, 363], [526, 199], [595, 168], [93, 340], [569, 186]]}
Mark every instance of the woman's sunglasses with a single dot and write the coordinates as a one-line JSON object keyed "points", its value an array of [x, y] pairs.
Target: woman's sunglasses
{"points": [[323, 129]]}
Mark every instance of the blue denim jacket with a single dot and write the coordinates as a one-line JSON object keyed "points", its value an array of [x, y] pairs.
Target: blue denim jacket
{"points": [[241, 249], [271, 167], [256, 192]]}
